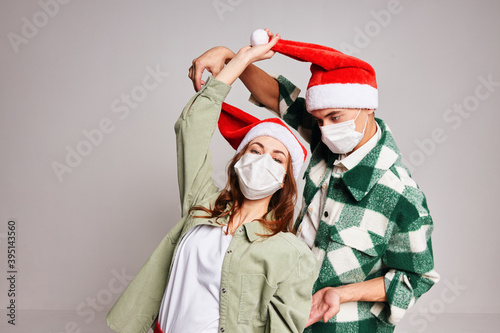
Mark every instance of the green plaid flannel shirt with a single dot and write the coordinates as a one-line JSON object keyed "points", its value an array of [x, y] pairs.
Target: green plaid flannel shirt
{"points": [[376, 224]]}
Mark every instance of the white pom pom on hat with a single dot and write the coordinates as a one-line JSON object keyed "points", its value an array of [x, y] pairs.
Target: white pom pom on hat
{"points": [[259, 37]]}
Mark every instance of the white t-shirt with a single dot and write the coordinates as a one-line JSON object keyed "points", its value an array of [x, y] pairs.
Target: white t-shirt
{"points": [[192, 293]]}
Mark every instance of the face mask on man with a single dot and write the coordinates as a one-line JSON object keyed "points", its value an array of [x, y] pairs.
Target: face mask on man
{"points": [[342, 138], [259, 175]]}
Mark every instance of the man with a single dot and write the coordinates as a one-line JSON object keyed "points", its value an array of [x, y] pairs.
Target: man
{"points": [[363, 216]]}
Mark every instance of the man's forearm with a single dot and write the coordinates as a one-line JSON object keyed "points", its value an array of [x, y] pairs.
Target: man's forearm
{"points": [[262, 86], [366, 291]]}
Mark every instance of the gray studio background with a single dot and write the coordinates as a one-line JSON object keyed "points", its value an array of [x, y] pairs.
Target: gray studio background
{"points": [[66, 68]]}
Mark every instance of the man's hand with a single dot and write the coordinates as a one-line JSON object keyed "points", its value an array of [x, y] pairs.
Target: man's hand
{"points": [[213, 61], [325, 305], [326, 302]]}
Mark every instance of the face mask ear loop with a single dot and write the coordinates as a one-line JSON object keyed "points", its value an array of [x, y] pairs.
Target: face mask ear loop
{"points": [[357, 115], [366, 121]]}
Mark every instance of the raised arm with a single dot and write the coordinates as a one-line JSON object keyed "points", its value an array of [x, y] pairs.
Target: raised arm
{"points": [[194, 130], [198, 120], [277, 94]]}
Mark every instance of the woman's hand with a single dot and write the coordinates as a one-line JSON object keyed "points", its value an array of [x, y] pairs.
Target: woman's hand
{"points": [[214, 59], [245, 57], [252, 54]]}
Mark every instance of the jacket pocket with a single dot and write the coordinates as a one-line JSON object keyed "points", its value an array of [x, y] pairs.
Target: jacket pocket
{"points": [[256, 294], [352, 253]]}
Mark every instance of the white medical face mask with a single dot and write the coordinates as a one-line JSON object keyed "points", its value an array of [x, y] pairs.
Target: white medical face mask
{"points": [[342, 138], [259, 175]]}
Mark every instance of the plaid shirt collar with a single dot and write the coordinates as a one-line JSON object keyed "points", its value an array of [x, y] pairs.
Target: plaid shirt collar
{"points": [[362, 177]]}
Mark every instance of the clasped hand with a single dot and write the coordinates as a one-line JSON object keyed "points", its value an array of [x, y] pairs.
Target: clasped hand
{"points": [[325, 305]]}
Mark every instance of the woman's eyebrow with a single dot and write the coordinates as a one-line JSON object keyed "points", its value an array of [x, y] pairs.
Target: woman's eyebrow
{"points": [[276, 151], [258, 143]]}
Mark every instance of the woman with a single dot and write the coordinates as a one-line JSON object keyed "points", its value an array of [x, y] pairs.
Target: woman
{"points": [[231, 263]]}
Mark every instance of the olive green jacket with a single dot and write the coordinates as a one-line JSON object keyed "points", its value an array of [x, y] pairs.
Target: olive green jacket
{"points": [[266, 282]]}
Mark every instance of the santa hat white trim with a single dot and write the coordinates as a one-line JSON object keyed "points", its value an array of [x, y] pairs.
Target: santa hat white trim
{"points": [[279, 132], [341, 95]]}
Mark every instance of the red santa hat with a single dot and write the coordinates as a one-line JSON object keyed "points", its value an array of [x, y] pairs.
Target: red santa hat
{"points": [[239, 128], [337, 81]]}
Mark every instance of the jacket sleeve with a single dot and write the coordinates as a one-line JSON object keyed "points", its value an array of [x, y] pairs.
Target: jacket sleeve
{"points": [[194, 130], [292, 109], [411, 268], [291, 304], [137, 307]]}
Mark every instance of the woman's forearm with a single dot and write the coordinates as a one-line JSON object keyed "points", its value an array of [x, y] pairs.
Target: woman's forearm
{"points": [[233, 69]]}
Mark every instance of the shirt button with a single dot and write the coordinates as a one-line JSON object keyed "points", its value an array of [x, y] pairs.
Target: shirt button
{"points": [[222, 329], [326, 214], [229, 251], [300, 229], [324, 186], [316, 243], [223, 290], [310, 209], [240, 230]]}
